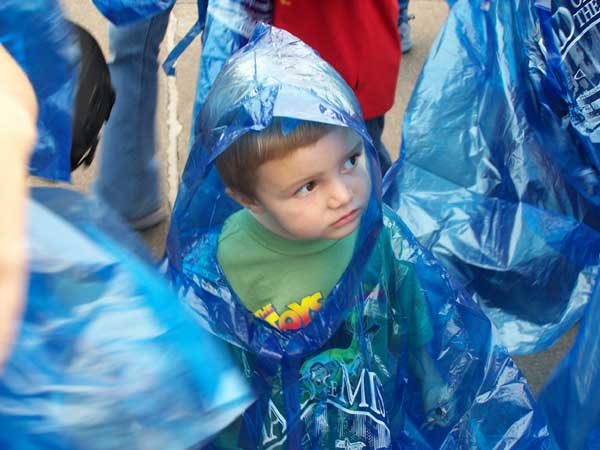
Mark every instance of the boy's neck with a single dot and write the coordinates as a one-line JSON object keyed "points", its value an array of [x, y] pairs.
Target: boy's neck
{"points": [[282, 244], [271, 227]]}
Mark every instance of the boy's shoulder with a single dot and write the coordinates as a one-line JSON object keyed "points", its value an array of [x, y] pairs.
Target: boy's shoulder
{"points": [[233, 226], [234, 246]]}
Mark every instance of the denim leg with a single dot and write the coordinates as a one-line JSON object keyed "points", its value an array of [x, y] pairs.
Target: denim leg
{"points": [[375, 129], [128, 178], [403, 7]]}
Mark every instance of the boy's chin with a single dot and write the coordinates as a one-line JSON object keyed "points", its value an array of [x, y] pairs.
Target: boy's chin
{"points": [[342, 232]]}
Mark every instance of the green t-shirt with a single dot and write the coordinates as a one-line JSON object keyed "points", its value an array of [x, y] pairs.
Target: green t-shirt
{"points": [[282, 281]]}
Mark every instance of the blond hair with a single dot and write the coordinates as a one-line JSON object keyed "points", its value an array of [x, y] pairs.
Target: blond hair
{"points": [[238, 164]]}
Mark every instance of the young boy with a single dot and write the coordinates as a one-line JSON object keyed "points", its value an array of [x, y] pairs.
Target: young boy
{"points": [[304, 194], [313, 283]]}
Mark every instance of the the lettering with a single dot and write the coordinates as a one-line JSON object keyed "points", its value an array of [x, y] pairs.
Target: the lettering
{"points": [[268, 314], [377, 404], [276, 423], [362, 396], [563, 22], [348, 445], [587, 13], [290, 320], [297, 315], [308, 305], [333, 389], [369, 391], [347, 389]]}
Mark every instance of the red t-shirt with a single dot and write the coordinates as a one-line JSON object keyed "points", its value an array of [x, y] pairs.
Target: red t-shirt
{"points": [[357, 37]]}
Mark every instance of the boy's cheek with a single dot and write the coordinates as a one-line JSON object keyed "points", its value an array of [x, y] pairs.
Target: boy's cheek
{"points": [[366, 184]]}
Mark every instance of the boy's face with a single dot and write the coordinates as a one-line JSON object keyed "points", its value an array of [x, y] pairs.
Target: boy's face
{"points": [[318, 192]]}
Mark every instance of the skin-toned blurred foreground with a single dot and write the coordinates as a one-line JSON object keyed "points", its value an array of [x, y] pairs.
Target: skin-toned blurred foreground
{"points": [[18, 113]]}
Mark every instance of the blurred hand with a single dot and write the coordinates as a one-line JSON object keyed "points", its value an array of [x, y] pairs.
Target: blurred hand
{"points": [[18, 115]]}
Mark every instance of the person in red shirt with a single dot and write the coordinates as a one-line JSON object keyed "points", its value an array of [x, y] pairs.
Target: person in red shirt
{"points": [[359, 38]]}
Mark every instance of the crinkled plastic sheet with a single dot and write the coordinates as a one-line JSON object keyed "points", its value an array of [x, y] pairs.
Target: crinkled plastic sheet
{"points": [[229, 24], [37, 36], [106, 357], [125, 12], [497, 175], [571, 396], [492, 404]]}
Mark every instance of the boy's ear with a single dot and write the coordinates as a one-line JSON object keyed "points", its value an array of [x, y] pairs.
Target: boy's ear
{"points": [[247, 202]]}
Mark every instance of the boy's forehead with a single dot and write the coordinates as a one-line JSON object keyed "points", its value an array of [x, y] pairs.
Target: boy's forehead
{"points": [[311, 160], [344, 135], [337, 143], [353, 138]]}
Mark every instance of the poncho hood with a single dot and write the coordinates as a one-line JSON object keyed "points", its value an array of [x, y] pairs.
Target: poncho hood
{"points": [[275, 75], [343, 380]]}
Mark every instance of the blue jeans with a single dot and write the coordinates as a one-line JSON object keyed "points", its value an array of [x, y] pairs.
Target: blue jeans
{"points": [[403, 7], [128, 178]]}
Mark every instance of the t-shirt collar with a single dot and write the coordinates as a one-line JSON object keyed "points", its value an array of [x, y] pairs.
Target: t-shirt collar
{"points": [[281, 245]]}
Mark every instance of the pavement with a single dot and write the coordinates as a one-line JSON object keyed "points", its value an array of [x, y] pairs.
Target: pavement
{"points": [[175, 103]]}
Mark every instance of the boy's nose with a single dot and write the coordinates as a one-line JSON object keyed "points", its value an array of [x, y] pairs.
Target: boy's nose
{"points": [[340, 194]]}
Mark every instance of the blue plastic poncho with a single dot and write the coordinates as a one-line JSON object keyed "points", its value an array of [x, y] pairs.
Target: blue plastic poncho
{"points": [[342, 381], [498, 175], [106, 357], [125, 12], [37, 36], [229, 25], [571, 396], [572, 38]]}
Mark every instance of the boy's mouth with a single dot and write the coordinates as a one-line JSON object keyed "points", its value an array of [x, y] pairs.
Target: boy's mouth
{"points": [[346, 219]]}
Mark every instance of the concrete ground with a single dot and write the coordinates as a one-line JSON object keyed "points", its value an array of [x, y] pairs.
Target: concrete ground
{"points": [[175, 107]]}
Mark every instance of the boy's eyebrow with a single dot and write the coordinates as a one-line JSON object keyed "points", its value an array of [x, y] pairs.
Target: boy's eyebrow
{"points": [[300, 182], [358, 144]]}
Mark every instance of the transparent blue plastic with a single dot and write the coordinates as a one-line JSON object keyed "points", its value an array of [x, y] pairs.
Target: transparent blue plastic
{"points": [[106, 357], [498, 172], [229, 24], [570, 396], [571, 34], [353, 338], [37, 36], [124, 12]]}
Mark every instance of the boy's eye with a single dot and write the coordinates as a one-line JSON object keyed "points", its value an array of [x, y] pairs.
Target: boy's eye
{"points": [[308, 187], [352, 161]]}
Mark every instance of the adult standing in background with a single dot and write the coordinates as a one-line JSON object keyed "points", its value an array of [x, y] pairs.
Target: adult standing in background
{"points": [[404, 26], [128, 177], [360, 40]]}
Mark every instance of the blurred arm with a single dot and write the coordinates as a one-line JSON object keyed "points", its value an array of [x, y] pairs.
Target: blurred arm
{"points": [[18, 114]]}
